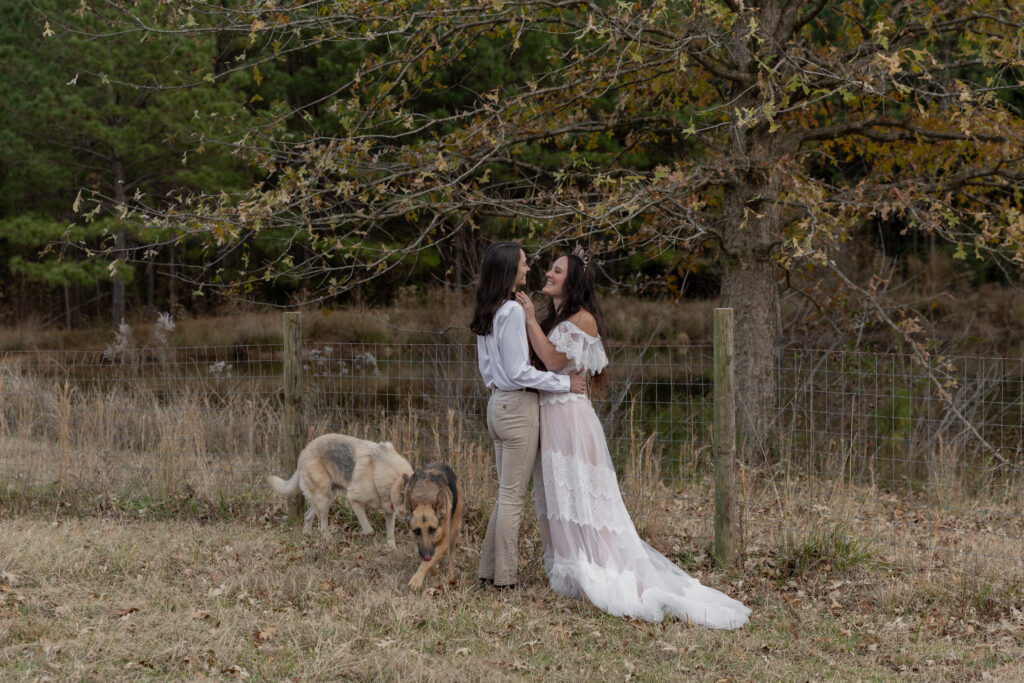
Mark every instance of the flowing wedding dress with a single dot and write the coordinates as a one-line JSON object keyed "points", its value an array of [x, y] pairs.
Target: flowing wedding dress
{"points": [[591, 548]]}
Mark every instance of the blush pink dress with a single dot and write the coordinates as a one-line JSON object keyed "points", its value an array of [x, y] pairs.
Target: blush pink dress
{"points": [[591, 548]]}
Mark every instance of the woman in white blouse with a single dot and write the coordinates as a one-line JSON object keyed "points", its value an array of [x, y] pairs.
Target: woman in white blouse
{"points": [[591, 548], [512, 415]]}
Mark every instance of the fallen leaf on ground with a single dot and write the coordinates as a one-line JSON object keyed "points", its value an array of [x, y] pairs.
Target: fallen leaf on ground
{"points": [[235, 671]]}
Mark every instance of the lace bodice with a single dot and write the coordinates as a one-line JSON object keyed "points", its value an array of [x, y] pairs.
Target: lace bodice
{"points": [[585, 353]]}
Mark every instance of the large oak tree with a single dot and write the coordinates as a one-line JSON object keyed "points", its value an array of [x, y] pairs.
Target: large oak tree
{"points": [[758, 133]]}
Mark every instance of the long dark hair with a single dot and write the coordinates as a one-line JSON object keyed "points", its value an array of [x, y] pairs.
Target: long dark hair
{"points": [[497, 280], [578, 292]]}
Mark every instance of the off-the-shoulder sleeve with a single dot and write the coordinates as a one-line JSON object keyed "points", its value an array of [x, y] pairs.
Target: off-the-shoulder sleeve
{"points": [[585, 351]]}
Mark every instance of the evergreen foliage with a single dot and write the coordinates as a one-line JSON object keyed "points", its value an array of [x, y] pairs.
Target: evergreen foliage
{"points": [[122, 116]]}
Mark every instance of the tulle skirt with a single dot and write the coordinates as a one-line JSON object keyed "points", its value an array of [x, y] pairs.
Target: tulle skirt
{"points": [[591, 548]]}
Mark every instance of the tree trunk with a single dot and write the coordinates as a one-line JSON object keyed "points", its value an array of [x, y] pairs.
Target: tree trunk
{"points": [[67, 306], [117, 296], [151, 285], [172, 292], [753, 228], [749, 288]]}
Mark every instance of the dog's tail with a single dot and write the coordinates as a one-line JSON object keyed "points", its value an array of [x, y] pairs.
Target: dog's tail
{"points": [[282, 487]]}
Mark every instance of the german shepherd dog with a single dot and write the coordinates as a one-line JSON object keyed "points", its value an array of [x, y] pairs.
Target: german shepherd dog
{"points": [[433, 506], [371, 474]]}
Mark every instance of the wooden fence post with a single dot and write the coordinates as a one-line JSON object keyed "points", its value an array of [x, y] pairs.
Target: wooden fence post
{"points": [[725, 549], [294, 431]]}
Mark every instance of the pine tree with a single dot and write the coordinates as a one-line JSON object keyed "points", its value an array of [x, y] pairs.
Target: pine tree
{"points": [[113, 120]]}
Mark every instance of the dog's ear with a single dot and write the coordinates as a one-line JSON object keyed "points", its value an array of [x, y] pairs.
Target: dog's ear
{"points": [[443, 504]]}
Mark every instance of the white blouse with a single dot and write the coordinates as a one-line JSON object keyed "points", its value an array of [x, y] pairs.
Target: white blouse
{"points": [[504, 355]]}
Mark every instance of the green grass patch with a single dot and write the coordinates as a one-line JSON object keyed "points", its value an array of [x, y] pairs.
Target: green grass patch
{"points": [[833, 548]]}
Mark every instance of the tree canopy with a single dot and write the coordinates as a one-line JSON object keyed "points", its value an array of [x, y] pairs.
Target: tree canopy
{"points": [[754, 136]]}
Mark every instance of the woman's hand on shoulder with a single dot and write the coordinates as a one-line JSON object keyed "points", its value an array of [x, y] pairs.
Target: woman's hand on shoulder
{"points": [[584, 320], [527, 303]]}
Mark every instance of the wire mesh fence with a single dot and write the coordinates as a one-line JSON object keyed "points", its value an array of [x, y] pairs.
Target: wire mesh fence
{"points": [[926, 474], [923, 463]]}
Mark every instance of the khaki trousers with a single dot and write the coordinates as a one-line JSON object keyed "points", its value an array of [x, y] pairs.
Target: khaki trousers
{"points": [[513, 421]]}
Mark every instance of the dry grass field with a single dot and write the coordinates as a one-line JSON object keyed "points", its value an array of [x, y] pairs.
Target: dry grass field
{"points": [[100, 598], [138, 541]]}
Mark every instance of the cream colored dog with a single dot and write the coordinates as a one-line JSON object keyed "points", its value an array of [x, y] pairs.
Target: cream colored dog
{"points": [[370, 473]]}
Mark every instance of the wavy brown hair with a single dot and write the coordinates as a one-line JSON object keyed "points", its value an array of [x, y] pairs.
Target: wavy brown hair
{"points": [[578, 293]]}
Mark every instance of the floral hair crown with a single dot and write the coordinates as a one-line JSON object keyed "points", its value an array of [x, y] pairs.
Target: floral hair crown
{"points": [[582, 255]]}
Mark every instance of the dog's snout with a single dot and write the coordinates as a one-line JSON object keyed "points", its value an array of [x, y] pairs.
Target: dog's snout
{"points": [[425, 551]]}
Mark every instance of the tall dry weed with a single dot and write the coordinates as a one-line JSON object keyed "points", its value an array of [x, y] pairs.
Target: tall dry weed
{"points": [[130, 439], [945, 484], [646, 493]]}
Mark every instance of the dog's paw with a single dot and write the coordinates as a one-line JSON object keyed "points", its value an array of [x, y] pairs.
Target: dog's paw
{"points": [[416, 582], [392, 545]]}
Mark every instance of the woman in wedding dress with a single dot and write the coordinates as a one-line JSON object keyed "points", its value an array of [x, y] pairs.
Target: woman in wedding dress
{"points": [[591, 548]]}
